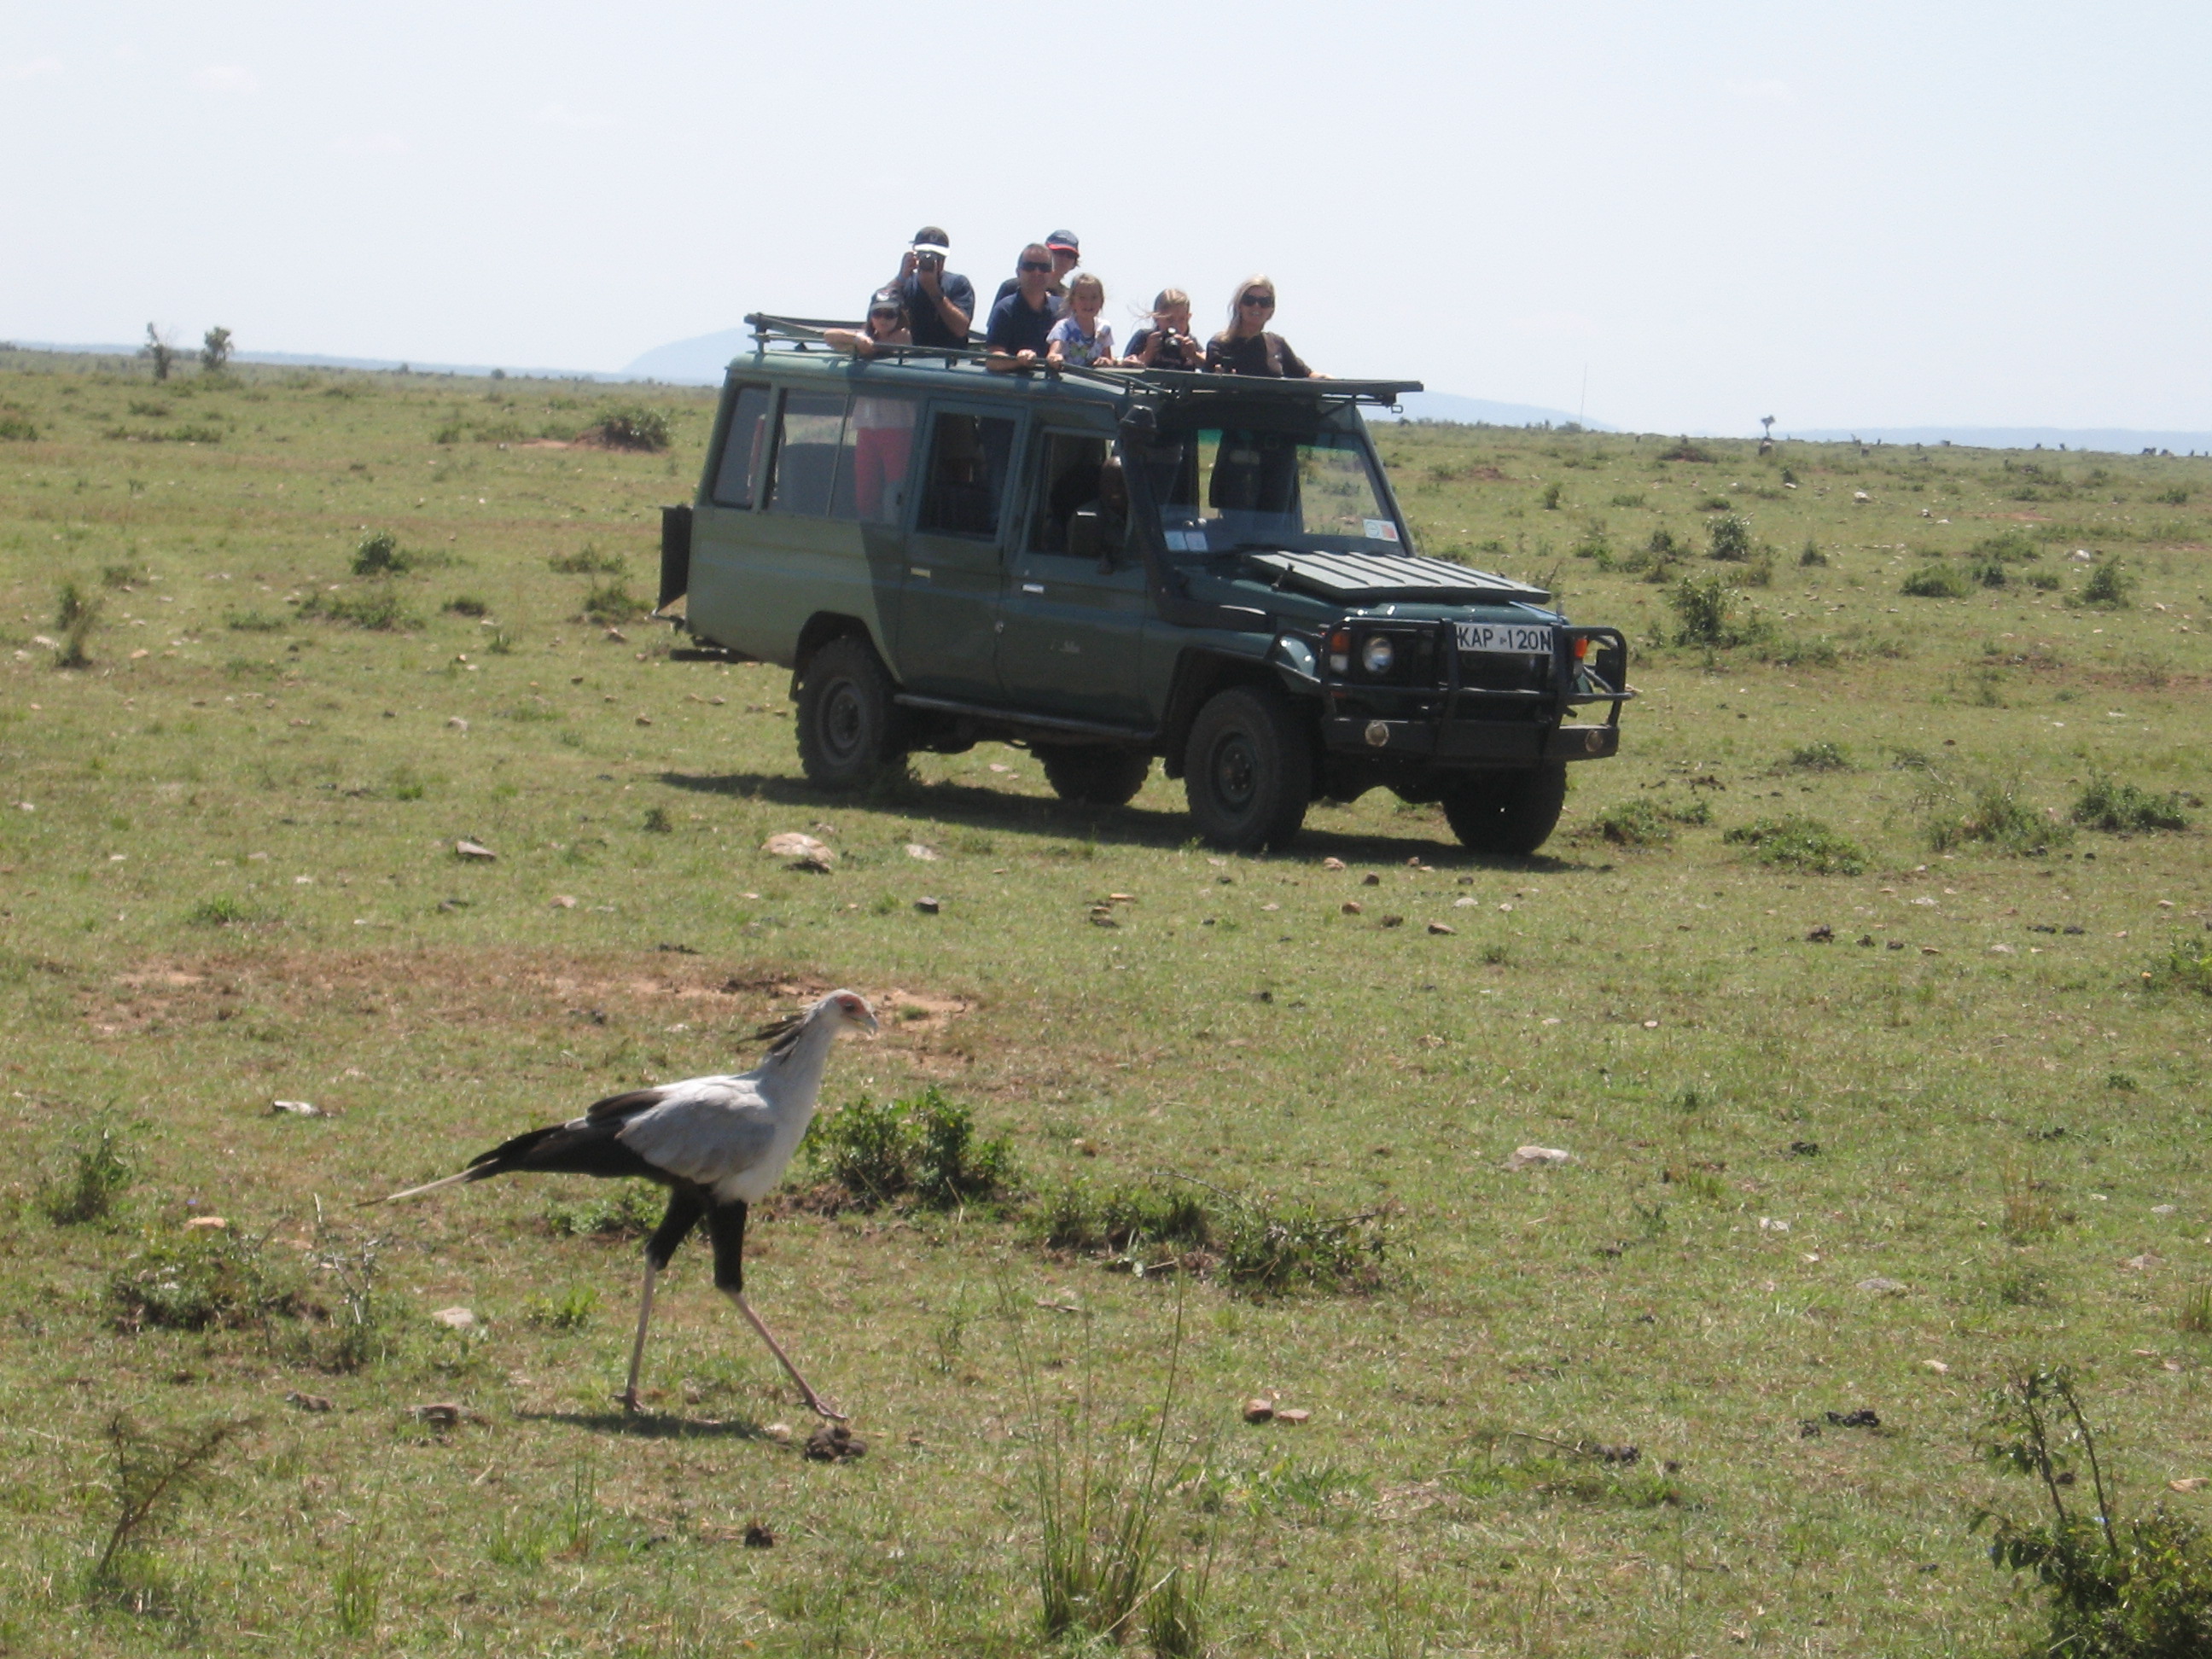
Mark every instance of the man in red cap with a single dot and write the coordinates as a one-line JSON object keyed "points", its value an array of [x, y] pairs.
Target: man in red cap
{"points": [[1066, 254]]}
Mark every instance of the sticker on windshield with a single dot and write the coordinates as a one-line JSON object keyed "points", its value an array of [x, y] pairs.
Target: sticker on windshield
{"points": [[1186, 541], [1379, 530]]}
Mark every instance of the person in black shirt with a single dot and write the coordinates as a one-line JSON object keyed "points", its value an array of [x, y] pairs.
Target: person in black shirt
{"points": [[1066, 254], [939, 303], [1246, 347], [1020, 322], [1164, 341]]}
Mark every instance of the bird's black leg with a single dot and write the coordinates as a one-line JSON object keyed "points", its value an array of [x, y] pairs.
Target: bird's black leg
{"points": [[686, 1205], [726, 1222]]}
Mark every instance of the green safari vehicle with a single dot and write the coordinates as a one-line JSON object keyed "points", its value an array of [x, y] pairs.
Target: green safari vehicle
{"points": [[1112, 565]]}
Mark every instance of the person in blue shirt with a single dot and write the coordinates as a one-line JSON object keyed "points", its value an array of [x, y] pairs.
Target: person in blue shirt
{"points": [[1021, 321], [940, 304]]}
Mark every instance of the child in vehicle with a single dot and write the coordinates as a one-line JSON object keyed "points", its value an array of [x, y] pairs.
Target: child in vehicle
{"points": [[1165, 341], [1078, 339], [886, 326]]}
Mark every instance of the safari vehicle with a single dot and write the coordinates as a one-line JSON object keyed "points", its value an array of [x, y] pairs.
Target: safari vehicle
{"points": [[1111, 565]]}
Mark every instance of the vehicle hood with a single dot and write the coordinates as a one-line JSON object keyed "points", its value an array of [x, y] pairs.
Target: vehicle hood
{"points": [[1366, 579]]}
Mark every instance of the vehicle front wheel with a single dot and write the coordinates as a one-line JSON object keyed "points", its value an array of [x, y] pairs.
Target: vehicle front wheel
{"points": [[1248, 770], [1510, 814], [1089, 776], [847, 720]]}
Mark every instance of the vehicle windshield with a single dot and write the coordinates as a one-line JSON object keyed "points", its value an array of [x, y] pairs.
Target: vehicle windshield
{"points": [[1218, 489]]}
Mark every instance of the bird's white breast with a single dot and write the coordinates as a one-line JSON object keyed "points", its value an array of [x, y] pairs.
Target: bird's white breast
{"points": [[720, 1133]]}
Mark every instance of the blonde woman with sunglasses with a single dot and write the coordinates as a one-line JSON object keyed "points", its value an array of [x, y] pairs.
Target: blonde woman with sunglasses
{"points": [[1246, 346]]}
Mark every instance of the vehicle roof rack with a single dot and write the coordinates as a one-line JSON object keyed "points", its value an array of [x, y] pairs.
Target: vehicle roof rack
{"points": [[802, 333]]}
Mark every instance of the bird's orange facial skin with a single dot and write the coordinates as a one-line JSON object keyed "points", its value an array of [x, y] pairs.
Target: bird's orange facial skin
{"points": [[856, 1010]]}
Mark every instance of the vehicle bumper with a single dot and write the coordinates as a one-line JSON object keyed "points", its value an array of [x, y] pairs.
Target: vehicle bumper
{"points": [[1470, 743]]}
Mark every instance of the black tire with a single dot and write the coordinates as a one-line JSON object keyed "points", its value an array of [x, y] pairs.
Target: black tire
{"points": [[1248, 772], [1090, 776], [848, 723], [1508, 814]]}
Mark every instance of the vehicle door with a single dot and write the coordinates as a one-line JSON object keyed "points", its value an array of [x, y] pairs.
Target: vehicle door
{"points": [[949, 602], [1074, 602], [803, 547]]}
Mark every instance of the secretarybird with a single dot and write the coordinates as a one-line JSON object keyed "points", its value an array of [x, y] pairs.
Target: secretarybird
{"points": [[718, 1144]]}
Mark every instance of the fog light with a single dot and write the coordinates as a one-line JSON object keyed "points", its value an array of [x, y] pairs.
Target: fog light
{"points": [[1378, 655]]}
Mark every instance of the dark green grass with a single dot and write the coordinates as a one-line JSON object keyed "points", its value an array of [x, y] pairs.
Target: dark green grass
{"points": [[166, 972]]}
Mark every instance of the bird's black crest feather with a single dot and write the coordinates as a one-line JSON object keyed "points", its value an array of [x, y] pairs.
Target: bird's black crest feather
{"points": [[784, 1032]]}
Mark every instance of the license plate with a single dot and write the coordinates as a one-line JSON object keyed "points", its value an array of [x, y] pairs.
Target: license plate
{"points": [[1513, 637]]}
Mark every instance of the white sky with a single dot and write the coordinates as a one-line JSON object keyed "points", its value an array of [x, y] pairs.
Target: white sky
{"points": [[1871, 213]]}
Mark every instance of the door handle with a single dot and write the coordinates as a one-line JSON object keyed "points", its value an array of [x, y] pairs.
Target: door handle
{"points": [[923, 571], [1032, 587]]}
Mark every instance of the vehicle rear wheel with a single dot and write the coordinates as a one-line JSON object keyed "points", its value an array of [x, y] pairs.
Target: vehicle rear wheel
{"points": [[1507, 813], [1091, 775], [847, 720], [1248, 770]]}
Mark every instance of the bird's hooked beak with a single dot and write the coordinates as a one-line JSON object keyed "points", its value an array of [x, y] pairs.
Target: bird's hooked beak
{"points": [[858, 1014]]}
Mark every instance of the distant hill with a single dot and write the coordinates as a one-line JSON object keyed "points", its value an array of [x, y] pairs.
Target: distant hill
{"points": [[698, 361], [1481, 412]]}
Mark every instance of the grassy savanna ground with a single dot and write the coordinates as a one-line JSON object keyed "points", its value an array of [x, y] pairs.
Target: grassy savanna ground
{"points": [[227, 876]]}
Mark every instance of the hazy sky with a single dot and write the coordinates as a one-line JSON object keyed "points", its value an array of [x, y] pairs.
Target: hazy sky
{"points": [[1867, 213]]}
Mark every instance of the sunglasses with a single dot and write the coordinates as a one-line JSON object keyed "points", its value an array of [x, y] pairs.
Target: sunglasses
{"points": [[1266, 299], [882, 316], [1034, 264], [930, 259]]}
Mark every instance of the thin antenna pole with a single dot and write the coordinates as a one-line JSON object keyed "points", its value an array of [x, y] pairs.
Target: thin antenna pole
{"points": [[1582, 407]]}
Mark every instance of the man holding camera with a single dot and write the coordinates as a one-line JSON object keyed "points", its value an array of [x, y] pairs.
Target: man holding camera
{"points": [[939, 303]]}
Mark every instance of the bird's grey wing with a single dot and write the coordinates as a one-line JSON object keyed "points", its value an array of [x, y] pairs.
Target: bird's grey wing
{"points": [[704, 1130]]}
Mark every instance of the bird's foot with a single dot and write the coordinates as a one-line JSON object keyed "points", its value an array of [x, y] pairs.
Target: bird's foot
{"points": [[630, 1401], [824, 1409]]}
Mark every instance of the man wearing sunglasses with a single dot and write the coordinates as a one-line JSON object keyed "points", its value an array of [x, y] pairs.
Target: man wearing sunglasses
{"points": [[1021, 321], [939, 303], [1066, 254]]}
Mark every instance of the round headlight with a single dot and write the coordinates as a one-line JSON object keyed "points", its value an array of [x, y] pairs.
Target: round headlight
{"points": [[1377, 654]]}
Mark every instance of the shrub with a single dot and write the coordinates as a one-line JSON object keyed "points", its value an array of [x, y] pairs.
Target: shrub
{"points": [[252, 622], [612, 602], [1811, 553], [198, 1278], [1267, 1251], [1684, 450], [215, 350], [97, 1173], [14, 430], [632, 1210], [1992, 815], [1705, 613], [924, 1146], [2186, 966], [1800, 844], [2122, 807], [1730, 537], [589, 563], [2118, 1587], [466, 605], [1248, 1243], [2177, 497], [379, 554], [219, 911], [1936, 579], [380, 612], [2047, 581], [1635, 823], [2109, 586], [2007, 547], [1553, 495], [1821, 757], [76, 613], [630, 426]]}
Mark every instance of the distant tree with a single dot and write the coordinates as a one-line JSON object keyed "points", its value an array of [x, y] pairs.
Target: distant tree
{"points": [[1767, 422], [159, 350], [215, 350]]}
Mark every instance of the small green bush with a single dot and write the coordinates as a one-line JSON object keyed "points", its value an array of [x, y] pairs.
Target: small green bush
{"points": [[466, 605], [2122, 808], [379, 554], [924, 1147], [1684, 450], [1706, 613], [380, 612], [1553, 495], [16, 429], [2109, 586], [1821, 757], [612, 602], [633, 1209], [1810, 554], [570, 1311], [2187, 967], [219, 911], [1936, 579], [97, 1174], [76, 613], [1800, 844], [2045, 580], [1993, 815], [588, 563], [194, 1279], [253, 622], [2117, 1586], [1644, 822], [631, 426], [1730, 537]]}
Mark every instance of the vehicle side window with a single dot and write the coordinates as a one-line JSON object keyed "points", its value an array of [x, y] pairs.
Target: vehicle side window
{"points": [[969, 456], [1064, 479], [871, 473], [807, 444], [742, 449]]}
